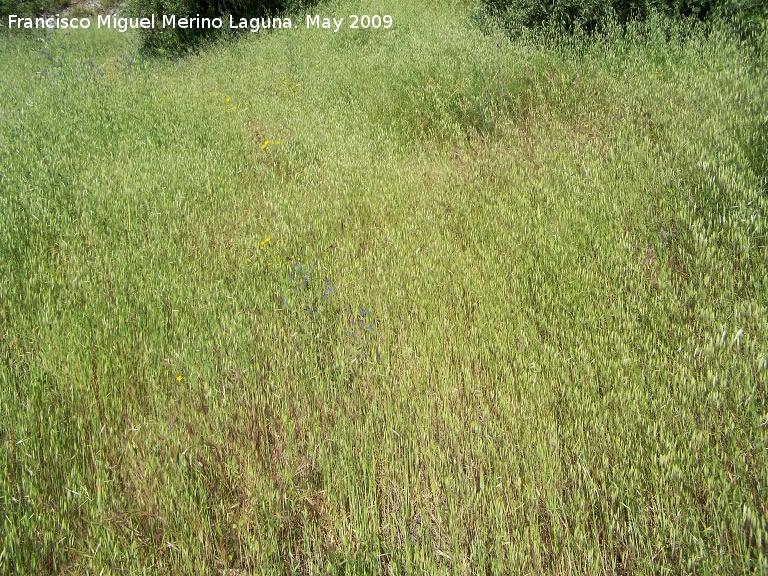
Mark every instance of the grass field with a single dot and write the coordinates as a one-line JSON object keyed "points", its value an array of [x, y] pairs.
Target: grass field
{"points": [[424, 300]]}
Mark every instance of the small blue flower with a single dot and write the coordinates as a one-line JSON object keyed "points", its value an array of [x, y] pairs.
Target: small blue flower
{"points": [[329, 290], [365, 312]]}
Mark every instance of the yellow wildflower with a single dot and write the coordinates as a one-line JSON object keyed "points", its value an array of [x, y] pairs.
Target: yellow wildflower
{"points": [[179, 378]]}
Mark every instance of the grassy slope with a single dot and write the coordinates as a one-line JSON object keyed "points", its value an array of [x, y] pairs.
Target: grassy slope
{"points": [[511, 314]]}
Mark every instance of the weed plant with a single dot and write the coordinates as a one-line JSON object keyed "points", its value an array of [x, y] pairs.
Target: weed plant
{"points": [[488, 306]]}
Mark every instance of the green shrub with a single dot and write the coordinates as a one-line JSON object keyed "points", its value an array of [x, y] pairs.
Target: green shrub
{"points": [[750, 21], [175, 40], [593, 15]]}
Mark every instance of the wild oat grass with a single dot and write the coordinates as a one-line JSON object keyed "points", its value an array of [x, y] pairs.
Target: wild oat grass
{"points": [[487, 307]]}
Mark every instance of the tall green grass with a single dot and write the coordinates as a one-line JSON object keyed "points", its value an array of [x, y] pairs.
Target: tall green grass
{"points": [[488, 306]]}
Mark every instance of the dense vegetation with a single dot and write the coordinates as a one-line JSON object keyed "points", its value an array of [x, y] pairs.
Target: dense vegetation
{"points": [[177, 40], [385, 302], [598, 15]]}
